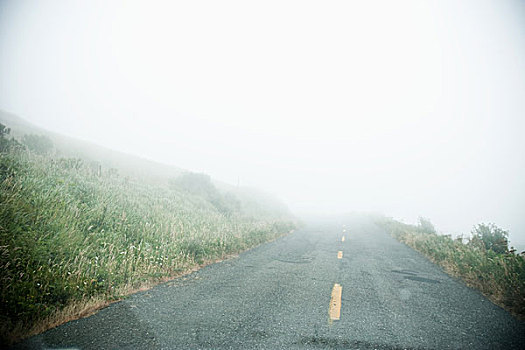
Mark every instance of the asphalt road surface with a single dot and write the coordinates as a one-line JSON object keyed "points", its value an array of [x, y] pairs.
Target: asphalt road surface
{"points": [[299, 292]]}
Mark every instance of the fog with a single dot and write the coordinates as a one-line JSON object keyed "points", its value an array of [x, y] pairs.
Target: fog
{"points": [[408, 108]]}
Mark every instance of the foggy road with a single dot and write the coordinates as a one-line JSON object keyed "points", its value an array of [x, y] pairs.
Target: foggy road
{"points": [[324, 286]]}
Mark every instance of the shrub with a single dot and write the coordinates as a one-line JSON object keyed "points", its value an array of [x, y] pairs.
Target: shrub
{"points": [[201, 185], [7, 144], [196, 184], [490, 237], [425, 226], [39, 144]]}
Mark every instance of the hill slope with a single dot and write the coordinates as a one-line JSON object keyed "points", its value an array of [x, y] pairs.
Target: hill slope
{"points": [[142, 169], [73, 148], [72, 238]]}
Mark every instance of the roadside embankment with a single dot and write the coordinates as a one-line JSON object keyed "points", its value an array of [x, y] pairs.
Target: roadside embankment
{"points": [[498, 274]]}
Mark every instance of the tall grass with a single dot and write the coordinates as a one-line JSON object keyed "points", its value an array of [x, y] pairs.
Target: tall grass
{"points": [[68, 236], [500, 277]]}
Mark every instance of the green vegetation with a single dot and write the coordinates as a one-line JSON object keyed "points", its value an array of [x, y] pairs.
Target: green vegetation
{"points": [[490, 237], [201, 185], [72, 236], [6, 143], [484, 262], [425, 226], [39, 144]]}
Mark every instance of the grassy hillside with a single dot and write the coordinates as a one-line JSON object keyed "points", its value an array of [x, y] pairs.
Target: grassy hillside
{"points": [[254, 202], [73, 238], [483, 262], [93, 154]]}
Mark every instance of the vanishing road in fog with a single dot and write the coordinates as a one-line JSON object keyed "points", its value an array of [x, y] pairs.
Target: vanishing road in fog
{"points": [[286, 295]]}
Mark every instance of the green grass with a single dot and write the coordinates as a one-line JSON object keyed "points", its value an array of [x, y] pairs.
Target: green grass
{"points": [[500, 277], [68, 236]]}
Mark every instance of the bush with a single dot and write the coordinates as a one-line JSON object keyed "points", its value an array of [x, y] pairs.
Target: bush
{"points": [[7, 144], [196, 184], [490, 237], [425, 226], [201, 185], [39, 144]]}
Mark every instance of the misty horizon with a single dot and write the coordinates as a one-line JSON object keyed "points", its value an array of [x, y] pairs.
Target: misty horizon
{"points": [[410, 109]]}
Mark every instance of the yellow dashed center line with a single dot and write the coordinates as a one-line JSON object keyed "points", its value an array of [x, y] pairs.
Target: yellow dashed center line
{"points": [[343, 239], [335, 303], [340, 254]]}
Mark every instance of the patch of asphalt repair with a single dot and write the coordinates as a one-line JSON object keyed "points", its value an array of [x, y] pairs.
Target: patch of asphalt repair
{"points": [[276, 296]]}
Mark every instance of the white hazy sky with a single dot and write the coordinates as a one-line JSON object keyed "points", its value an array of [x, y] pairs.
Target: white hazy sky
{"points": [[405, 107]]}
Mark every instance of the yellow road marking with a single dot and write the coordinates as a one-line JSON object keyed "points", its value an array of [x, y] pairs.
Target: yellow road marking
{"points": [[343, 239], [340, 254], [335, 303]]}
